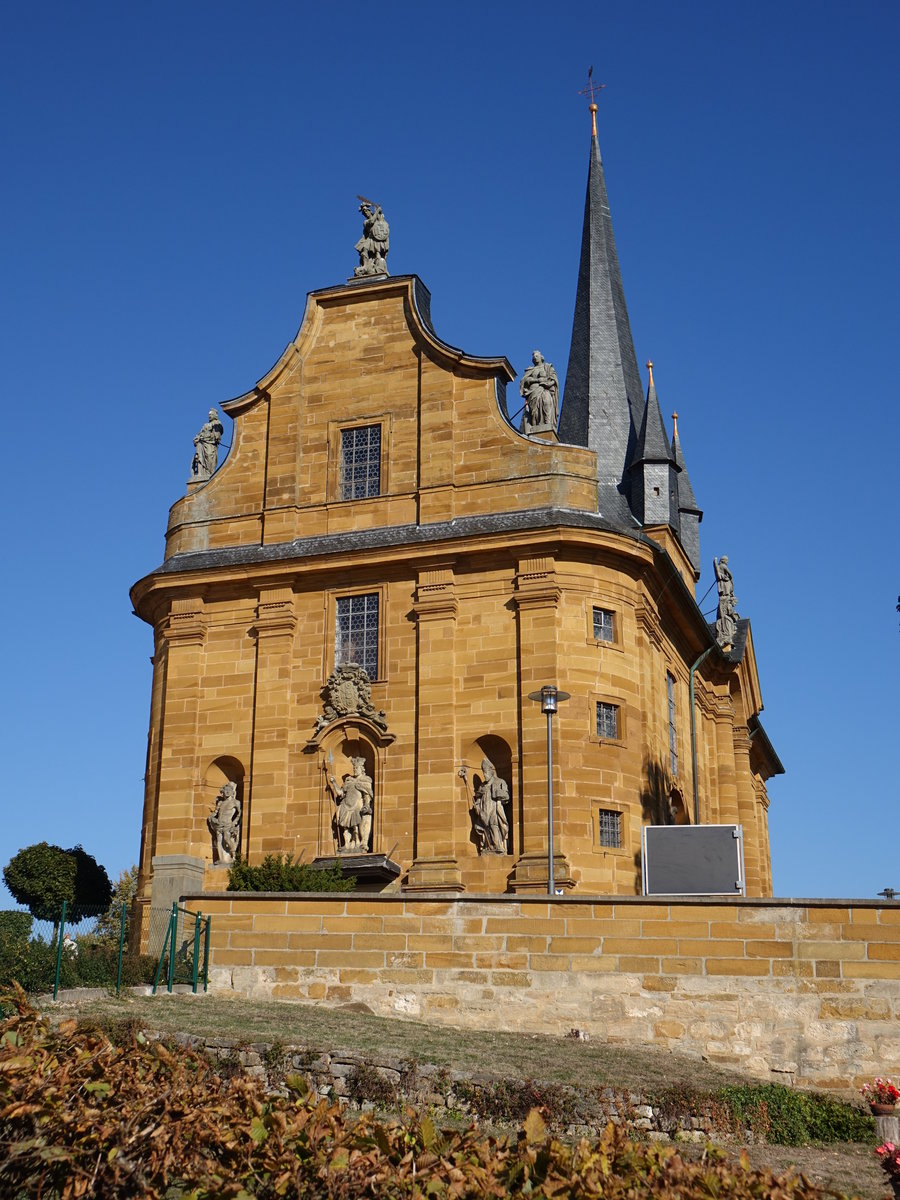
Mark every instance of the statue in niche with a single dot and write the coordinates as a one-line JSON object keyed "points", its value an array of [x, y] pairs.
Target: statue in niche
{"points": [[489, 818], [727, 615], [353, 818], [375, 242], [224, 824], [348, 693], [540, 388], [206, 447]]}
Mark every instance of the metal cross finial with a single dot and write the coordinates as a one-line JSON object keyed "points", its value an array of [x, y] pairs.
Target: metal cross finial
{"points": [[589, 91]]}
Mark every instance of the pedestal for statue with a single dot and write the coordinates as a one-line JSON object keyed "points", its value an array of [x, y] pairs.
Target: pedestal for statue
{"points": [[372, 872]]}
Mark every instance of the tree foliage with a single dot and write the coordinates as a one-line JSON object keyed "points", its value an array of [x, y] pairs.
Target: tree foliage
{"points": [[42, 876], [109, 924], [84, 1116]]}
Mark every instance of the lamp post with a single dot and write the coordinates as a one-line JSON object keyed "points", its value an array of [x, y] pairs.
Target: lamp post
{"points": [[549, 698]]}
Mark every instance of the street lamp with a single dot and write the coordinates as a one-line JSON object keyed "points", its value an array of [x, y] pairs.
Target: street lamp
{"points": [[549, 698]]}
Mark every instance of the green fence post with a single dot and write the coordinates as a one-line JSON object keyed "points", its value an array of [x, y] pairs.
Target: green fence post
{"points": [[206, 954], [59, 941], [121, 951], [173, 930], [195, 966]]}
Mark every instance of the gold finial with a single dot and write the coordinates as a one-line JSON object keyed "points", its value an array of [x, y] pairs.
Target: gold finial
{"points": [[589, 91], [675, 424], [650, 370]]}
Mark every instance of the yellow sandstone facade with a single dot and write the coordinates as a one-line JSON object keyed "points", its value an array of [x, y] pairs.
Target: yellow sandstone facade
{"points": [[477, 569]]}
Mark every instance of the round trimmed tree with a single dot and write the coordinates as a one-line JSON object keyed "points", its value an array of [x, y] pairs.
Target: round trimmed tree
{"points": [[42, 876]]}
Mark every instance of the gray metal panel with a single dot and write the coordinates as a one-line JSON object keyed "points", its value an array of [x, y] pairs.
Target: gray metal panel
{"points": [[692, 860]]}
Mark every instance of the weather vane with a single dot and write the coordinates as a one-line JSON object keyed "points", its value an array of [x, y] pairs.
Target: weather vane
{"points": [[590, 90]]}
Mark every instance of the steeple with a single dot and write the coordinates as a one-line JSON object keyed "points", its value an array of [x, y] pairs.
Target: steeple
{"points": [[602, 402], [689, 512], [654, 486]]}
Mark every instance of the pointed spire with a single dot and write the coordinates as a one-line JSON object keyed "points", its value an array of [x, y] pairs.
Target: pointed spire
{"points": [[603, 401], [653, 442], [689, 512], [654, 484]]}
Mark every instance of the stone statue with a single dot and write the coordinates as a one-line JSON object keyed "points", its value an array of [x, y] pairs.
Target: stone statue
{"points": [[348, 692], [540, 388], [206, 443], [225, 824], [375, 242], [353, 818], [727, 615], [489, 818]]}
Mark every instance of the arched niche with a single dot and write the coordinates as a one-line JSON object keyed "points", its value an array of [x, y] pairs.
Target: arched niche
{"points": [[678, 812], [335, 747], [497, 750], [219, 771]]}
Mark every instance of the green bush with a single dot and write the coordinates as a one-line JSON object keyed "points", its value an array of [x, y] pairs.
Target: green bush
{"points": [[279, 873], [774, 1113], [30, 963], [785, 1117], [15, 926]]}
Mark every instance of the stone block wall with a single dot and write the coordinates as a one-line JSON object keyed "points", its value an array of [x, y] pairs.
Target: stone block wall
{"points": [[799, 991]]}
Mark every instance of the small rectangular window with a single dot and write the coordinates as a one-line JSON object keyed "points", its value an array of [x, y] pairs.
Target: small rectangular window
{"points": [[610, 828], [356, 633], [603, 625], [360, 462], [673, 728], [607, 720]]}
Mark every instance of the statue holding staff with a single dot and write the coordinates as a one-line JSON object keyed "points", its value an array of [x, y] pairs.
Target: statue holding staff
{"points": [[353, 817]]}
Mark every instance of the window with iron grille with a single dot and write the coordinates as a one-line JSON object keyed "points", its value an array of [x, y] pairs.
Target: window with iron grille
{"points": [[356, 635], [603, 625], [360, 462], [607, 720], [610, 828], [673, 728]]}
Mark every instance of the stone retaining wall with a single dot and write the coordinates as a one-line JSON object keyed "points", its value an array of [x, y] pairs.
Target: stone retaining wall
{"points": [[353, 1079], [802, 992]]}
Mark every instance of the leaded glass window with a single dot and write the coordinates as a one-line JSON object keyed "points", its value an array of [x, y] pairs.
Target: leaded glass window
{"points": [[603, 625], [673, 728], [360, 462], [356, 635], [607, 720], [610, 828]]}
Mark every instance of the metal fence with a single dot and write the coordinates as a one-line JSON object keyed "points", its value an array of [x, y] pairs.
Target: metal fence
{"points": [[100, 948]]}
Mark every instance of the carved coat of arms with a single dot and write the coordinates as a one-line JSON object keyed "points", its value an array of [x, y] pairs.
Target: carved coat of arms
{"points": [[348, 692]]}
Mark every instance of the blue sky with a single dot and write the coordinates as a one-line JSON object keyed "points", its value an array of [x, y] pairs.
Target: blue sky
{"points": [[178, 177]]}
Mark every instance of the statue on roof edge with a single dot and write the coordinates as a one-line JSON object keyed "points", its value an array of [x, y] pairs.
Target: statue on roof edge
{"points": [[375, 242], [540, 389], [727, 616]]}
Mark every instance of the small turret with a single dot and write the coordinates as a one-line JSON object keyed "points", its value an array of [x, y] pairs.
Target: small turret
{"points": [[654, 475]]}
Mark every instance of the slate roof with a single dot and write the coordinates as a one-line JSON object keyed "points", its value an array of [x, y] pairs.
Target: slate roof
{"points": [[603, 399], [687, 501], [653, 441]]}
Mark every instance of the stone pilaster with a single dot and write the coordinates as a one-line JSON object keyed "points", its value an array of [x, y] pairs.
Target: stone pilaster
{"points": [[727, 797], [747, 810], [184, 631], [537, 599], [267, 795], [435, 866]]}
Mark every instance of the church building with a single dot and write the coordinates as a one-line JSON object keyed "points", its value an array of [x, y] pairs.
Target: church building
{"points": [[357, 608]]}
